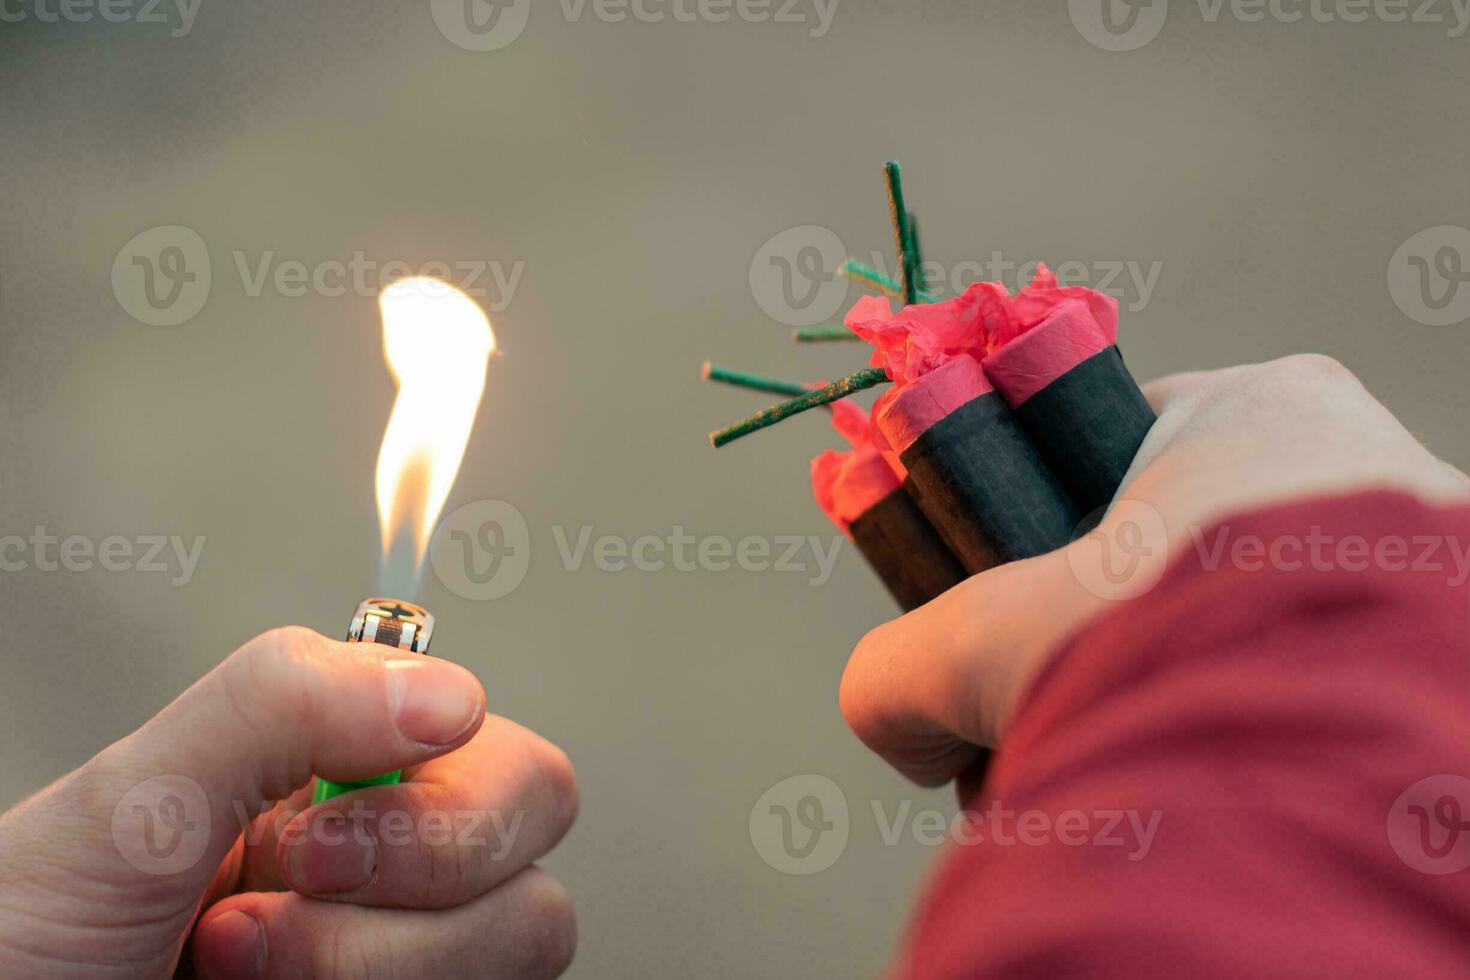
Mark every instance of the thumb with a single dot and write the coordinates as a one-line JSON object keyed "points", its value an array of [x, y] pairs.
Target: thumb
{"points": [[171, 799]]}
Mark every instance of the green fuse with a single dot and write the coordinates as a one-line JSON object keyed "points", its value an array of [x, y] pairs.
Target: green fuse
{"points": [[393, 623]]}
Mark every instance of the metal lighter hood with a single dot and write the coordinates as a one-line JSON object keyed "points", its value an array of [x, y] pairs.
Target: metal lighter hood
{"points": [[392, 623]]}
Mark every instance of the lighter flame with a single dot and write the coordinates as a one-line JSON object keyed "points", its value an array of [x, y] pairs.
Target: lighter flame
{"points": [[437, 342]]}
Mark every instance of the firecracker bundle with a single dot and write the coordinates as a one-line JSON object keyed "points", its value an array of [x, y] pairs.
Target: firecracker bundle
{"points": [[1007, 428]]}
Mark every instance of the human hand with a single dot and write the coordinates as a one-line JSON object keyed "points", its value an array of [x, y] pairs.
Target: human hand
{"points": [[925, 690], [430, 877]]}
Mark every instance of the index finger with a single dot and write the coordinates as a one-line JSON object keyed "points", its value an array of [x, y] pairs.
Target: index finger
{"points": [[926, 690], [454, 829]]}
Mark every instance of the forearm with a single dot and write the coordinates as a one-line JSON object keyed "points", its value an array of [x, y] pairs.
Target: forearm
{"points": [[1264, 722]]}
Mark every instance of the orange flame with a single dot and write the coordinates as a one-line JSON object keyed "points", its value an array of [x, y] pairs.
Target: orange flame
{"points": [[437, 342]]}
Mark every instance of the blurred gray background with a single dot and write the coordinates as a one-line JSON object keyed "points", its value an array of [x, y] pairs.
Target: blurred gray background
{"points": [[638, 169]]}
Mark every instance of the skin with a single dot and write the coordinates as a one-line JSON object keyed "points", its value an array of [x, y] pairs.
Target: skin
{"points": [[432, 877], [925, 690]]}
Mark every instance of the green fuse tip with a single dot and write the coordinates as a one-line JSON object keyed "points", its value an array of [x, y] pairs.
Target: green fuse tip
{"points": [[745, 379], [830, 333]]}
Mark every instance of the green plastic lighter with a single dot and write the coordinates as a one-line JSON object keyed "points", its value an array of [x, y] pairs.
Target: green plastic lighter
{"points": [[393, 623]]}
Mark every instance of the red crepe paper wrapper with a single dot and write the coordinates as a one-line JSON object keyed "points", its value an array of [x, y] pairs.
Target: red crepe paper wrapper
{"points": [[848, 483], [921, 338], [852, 423], [1046, 331], [1033, 305], [903, 414], [861, 492], [1045, 328]]}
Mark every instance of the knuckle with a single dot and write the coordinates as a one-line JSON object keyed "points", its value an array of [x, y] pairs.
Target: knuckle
{"points": [[284, 641], [560, 779], [272, 672], [1173, 387], [337, 955], [1313, 367], [1257, 393], [544, 776], [275, 661], [862, 679], [273, 681], [451, 870], [551, 939]]}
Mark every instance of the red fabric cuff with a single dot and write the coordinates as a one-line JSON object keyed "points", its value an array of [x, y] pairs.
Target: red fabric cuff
{"points": [[1294, 726]]}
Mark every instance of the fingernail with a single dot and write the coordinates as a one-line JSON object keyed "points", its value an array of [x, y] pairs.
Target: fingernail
{"points": [[230, 947], [335, 858], [433, 701]]}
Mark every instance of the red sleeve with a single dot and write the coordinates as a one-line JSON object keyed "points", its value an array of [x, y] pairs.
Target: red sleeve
{"points": [[1249, 772]]}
